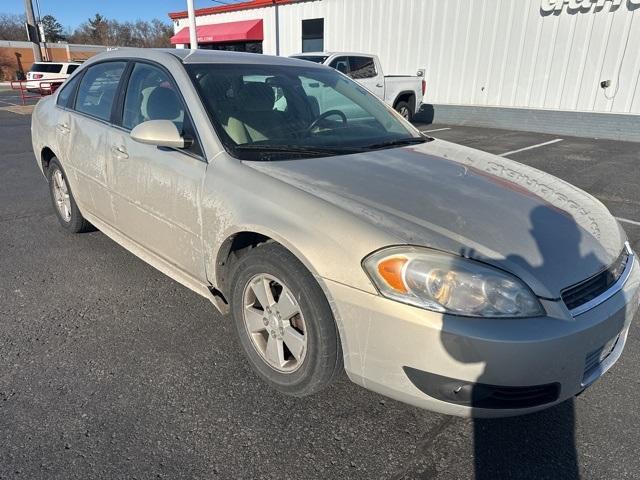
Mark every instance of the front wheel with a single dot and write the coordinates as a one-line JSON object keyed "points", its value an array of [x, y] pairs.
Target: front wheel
{"points": [[404, 109], [284, 322]]}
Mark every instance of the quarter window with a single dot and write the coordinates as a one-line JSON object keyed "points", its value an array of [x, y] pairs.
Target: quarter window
{"points": [[67, 91], [151, 96], [362, 67], [98, 89]]}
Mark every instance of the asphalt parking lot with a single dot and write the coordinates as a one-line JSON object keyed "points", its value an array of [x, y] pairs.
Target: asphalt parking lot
{"points": [[109, 369]]}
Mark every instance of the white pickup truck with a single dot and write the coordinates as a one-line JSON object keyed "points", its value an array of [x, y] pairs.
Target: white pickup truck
{"points": [[402, 92]]}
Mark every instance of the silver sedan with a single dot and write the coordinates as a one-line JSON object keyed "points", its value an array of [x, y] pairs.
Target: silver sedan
{"points": [[336, 235]]}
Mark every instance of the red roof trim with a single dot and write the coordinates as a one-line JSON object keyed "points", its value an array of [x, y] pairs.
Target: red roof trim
{"points": [[231, 8]]}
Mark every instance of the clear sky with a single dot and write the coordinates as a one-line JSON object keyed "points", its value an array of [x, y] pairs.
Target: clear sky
{"points": [[70, 13]]}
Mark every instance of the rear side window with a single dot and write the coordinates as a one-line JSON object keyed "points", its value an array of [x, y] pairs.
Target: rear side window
{"points": [[71, 68], [362, 67], [64, 97], [97, 89], [46, 67]]}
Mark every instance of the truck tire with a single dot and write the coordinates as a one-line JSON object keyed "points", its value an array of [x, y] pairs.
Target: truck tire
{"points": [[404, 109]]}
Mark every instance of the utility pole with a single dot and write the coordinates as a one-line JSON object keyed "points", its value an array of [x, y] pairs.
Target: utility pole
{"points": [[193, 34], [32, 30]]}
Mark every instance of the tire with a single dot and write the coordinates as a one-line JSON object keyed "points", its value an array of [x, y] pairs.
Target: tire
{"points": [[321, 358], [404, 109], [67, 212]]}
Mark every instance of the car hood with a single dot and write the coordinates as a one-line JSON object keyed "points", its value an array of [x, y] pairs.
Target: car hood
{"points": [[471, 203]]}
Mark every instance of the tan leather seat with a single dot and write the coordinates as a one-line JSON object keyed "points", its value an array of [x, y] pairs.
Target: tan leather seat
{"points": [[254, 118]]}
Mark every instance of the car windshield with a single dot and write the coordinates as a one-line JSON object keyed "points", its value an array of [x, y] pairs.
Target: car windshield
{"points": [[273, 112]]}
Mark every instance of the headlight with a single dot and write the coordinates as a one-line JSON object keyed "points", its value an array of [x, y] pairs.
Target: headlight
{"points": [[450, 284]]}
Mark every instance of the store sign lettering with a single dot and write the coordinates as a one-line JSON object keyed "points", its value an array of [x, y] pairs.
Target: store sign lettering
{"points": [[558, 5]]}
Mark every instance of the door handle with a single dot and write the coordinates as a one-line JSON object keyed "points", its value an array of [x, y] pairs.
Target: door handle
{"points": [[63, 128], [380, 85], [119, 151]]}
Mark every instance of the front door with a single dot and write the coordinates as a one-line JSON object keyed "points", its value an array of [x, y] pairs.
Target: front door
{"points": [[363, 70], [156, 191]]}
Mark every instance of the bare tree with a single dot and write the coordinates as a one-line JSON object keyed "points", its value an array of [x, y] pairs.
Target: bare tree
{"points": [[7, 66], [12, 27], [102, 31]]}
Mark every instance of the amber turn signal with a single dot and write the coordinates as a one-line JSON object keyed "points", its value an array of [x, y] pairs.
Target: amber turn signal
{"points": [[390, 270]]}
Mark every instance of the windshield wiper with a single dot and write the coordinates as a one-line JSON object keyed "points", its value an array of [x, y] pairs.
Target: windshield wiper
{"points": [[398, 143], [296, 149]]}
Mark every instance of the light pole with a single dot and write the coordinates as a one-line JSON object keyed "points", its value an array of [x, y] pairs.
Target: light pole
{"points": [[193, 35]]}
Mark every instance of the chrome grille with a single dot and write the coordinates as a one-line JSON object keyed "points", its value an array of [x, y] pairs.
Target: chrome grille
{"points": [[591, 288]]}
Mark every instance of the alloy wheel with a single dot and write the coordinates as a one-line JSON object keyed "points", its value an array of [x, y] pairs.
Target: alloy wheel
{"points": [[61, 196], [274, 322]]}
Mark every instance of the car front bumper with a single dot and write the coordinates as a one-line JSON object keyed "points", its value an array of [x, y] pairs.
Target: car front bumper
{"points": [[450, 364]]}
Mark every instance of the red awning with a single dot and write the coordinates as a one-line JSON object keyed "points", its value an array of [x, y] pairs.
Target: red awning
{"points": [[247, 30]]}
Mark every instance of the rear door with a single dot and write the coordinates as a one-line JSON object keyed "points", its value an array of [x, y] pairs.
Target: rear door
{"points": [[156, 192], [64, 102], [86, 128]]}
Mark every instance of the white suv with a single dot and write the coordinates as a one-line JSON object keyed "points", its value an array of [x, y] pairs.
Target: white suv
{"points": [[53, 73]]}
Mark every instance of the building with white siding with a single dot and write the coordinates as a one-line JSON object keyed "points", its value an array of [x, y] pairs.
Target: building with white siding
{"points": [[571, 56]]}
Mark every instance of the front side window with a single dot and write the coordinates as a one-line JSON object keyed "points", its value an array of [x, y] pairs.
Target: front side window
{"points": [[362, 67], [71, 68], [67, 90], [151, 96], [98, 88], [279, 111]]}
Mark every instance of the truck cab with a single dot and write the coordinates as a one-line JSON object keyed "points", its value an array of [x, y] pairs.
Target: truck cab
{"points": [[402, 92]]}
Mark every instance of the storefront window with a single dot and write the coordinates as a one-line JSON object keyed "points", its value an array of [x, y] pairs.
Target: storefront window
{"points": [[249, 47], [313, 35]]}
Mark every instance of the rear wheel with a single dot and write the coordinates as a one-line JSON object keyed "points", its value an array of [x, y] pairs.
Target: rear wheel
{"points": [[404, 109], [284, 322], [64, 204]]}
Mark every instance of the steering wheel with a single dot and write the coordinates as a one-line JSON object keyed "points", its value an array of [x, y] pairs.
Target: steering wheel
{"points": [[328, 113]]}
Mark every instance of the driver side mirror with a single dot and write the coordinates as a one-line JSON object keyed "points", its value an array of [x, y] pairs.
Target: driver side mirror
{"points": [[161, 133]]}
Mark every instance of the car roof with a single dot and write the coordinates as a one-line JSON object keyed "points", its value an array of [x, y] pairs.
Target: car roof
{"points": [[187, 56]]}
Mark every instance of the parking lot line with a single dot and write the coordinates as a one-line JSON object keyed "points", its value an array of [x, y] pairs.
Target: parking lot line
{"points": [[626, 220], [556, 140], [435, 130]]}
